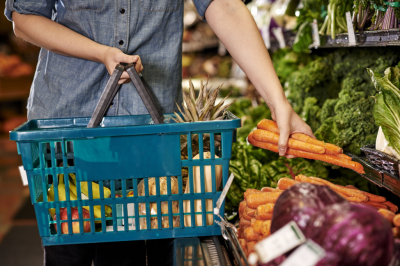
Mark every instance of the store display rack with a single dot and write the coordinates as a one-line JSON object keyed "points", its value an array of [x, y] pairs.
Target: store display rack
{"points": [[380, 38], [378, 177]]}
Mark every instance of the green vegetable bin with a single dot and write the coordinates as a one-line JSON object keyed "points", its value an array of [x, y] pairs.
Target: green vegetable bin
{"points": [[118, 154]]}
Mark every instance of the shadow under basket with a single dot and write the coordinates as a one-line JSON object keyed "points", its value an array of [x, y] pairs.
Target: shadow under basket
{"points": [[124, 180]]}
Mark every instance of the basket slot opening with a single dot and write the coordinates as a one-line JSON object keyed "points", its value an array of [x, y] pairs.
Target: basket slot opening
{"points": [[70, 153]]}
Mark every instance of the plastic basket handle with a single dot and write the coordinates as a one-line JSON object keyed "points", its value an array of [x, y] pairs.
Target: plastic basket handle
{"points": [[106, 97], [112, 88], [145, 93]]}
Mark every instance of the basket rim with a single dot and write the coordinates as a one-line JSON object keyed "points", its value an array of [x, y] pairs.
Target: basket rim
{"points": [[75, 128]]}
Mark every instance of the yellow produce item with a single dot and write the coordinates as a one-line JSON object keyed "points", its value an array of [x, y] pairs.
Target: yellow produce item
{"points": [[95, 188], [197, 189]]}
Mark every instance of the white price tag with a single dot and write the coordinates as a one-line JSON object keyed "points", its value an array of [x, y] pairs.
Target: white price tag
{"points": [[315, 34], [308, 254], [24, 177], [350, 29], [280, 242]]}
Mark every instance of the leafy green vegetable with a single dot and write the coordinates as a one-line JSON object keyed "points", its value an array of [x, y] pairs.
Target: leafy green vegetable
{"points": [[387, 108], [250, 115], [311, 113], [303, 38]]}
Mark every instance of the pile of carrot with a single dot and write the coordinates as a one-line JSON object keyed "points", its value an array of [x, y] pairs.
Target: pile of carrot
{"points": [[255, 214], [266, 136], [349, 193], [394, 221]]}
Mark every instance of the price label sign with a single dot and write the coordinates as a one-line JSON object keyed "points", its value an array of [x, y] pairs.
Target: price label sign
{"points": [[282, 241], [308, 254], [350, 29]]}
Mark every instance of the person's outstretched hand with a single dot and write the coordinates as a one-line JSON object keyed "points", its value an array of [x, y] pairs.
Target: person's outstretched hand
{"points": [[113, 56], [288, 122]]}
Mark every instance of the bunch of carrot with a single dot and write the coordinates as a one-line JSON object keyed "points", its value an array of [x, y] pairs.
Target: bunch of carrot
{"points": [[255, 214], [266, 136], [349, 192], [394, 221]]}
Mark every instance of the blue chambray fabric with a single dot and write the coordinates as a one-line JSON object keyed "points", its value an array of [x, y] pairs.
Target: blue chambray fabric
{"points": [[71, 87]]}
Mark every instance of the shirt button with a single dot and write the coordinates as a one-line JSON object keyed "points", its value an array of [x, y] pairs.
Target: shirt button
{"points": [[122, 10], [121, 42]]}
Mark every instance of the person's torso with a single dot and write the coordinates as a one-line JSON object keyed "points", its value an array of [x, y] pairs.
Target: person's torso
{"points": [[71, 87]]}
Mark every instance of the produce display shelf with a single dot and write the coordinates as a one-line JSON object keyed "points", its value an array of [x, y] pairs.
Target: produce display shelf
{"points": [[380, 38], [191, 47], [377, 176]]}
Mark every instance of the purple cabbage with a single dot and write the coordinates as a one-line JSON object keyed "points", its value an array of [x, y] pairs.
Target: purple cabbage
{"points": [[351, 234], [300, 202]]}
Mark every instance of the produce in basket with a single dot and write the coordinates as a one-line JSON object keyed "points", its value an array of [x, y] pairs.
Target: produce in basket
{"points": [[351, 234], [164, 204], [208, 181], [202, 108], [74, 216]]}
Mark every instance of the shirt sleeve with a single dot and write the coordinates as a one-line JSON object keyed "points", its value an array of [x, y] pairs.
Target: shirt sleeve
{"points": [[201, 6], [29, 7]]}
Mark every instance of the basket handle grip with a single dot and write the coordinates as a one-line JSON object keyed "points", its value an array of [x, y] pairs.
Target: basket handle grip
{"points": [[112, 88]]}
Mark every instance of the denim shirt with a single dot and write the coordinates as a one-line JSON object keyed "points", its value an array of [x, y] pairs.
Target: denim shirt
{"points": [[71, 87]]}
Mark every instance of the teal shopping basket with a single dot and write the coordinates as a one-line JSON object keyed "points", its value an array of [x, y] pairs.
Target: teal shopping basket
{"points": [[125, 155]]}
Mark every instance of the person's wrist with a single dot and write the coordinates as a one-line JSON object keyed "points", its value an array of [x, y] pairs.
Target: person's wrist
{"points": [[102, 54]]}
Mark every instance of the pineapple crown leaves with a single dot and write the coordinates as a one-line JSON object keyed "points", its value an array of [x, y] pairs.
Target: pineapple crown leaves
{"points": [[203, 107]]}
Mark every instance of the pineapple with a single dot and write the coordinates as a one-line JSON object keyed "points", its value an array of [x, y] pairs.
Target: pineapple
{"points": [[202, 108]]}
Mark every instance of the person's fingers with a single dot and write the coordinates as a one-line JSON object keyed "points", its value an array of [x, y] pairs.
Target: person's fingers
{"points": [[123, 81], [138, 65], [124, 75], [305, 129], [141, 69], [283, 139], [124, 58]]}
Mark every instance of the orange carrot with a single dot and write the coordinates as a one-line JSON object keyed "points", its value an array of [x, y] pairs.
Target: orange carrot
{"points": [[250, 191], [329, 148], [346, 191], [388, 215], [257, 225], [271, 137], [272, 126], [351, 199], [264, 212], [268, 189], [308, 155], [250, 247], [377, 205], [396, 220], [255, 200], [242, 207], [372, 197], [246, 216], [250, 212], [251, 235], [343, 156], [391, 206], [285, 183], [268, 125], [266, 228]]}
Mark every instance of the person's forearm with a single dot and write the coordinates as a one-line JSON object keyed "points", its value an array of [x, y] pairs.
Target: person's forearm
{"points": [[56, 38], [235, 27]]}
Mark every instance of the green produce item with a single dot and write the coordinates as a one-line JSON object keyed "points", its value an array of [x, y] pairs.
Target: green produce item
{"points": [[353, 124], [303, 38], [312, 9], [257, 168], [328, 109], [250, 115], [287, 61], [387, 108], [311, 113], [314, 80], [335, 21]]}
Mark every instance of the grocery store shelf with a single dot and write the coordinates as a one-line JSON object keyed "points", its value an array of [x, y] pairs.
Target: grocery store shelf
{"points": [[377, 176], [15, 89], [364, 39]]}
